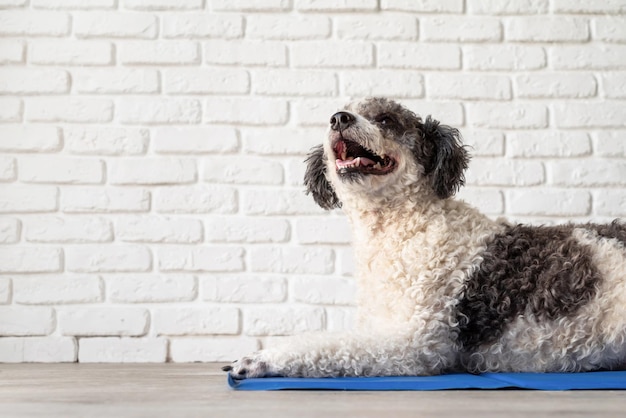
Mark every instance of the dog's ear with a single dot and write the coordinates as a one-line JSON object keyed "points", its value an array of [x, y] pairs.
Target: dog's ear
{"points": [[316, 182], [448, 158]]}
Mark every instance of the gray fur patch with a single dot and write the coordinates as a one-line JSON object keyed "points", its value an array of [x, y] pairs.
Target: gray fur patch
{"points": [[542, 270]]}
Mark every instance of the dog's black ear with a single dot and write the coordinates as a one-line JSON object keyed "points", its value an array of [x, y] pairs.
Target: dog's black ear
{"points": [[316, 182], [448, 158]]}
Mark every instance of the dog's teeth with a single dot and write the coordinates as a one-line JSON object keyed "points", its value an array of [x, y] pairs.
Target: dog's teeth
{"points": [[357, 162], [343, 156]]}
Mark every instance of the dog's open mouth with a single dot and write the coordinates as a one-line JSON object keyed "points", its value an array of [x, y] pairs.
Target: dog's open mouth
{"points": [[354, 158]]}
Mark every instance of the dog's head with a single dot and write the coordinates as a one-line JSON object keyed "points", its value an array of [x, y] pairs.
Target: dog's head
{"points": [[382, 151]]}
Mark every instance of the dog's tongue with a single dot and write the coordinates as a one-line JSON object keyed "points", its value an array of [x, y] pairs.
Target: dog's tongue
{"points": [[355, 162]]}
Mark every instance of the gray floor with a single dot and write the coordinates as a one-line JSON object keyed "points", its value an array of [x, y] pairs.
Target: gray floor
{"points": [[200, 390]]}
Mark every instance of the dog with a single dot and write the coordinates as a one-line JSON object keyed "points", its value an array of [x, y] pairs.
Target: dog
{"points": [[443, 288]]}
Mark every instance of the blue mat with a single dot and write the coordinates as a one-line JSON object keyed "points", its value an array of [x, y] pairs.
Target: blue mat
{"points": [[538, 381]]}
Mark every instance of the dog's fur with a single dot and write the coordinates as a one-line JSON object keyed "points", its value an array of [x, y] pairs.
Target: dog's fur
{"points": [[442, 287]]}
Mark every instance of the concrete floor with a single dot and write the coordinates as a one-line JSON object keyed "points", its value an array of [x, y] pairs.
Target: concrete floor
{"points": [[200, 390]]}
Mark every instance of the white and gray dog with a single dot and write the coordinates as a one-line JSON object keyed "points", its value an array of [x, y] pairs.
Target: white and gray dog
{"points": [[443, 288]]}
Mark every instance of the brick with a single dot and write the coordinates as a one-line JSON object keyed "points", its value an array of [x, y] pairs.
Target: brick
{"points": [[609, 28], [449, 113], [292, 260], [243, 289], [282, 320], [34, 23], [592, 56], [198, 349], [582, 6], [122, 350], [10, 230], [281, 141], [245, 110], [504, 172], [610, 143], [295, 169], [614, 85], [135, 288], [548, 202], [427, 6], [5, 291], [106, 140], [294, 82], [323, 290], [196, 199], [68, 230], [378, 27], [5, 4], [69, 109], [157, 229], [332, 54], [468, 87], [158, 53], [411, 55], [152, 171], [245, 53], [74, 4], [107, 258], [589, 114], [322, 230], [484, 143], [37, 350], [115, 25], [38, 290], [382, 83], [548, 144], [196, 321], [8, 168], [594, 172], [103, 321], [609, 203], [334, 6], [278, 202], [200, 258], [33, 81], [246, 229], [507, 116], [460, 29], [157, 111], [206, 81], [242, 170], [194, 25], [104, 200], [195, 140], [288, 27], [340, 319], [26, 321], [11, 52], [116, 81], [29, 138], [70, 52], [163, 4], [496, 7], [61, 170], [555, 85], [345, 261], [315, 112], [250, 5], [10, 110], [487, 201], [547, 29], [30, 259], [22, 198], [504, 57]]}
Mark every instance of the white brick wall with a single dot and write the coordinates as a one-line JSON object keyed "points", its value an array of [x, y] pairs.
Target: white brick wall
{"points": [[151, 154]]}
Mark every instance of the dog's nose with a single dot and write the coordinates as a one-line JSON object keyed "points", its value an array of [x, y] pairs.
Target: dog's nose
{"points": [[341, 120]]}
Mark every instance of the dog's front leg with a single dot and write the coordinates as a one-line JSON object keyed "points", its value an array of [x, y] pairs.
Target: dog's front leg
{"points": [[354, 354]]}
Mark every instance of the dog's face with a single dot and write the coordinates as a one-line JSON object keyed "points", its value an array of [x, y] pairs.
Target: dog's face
{"points": [[382, 151]]}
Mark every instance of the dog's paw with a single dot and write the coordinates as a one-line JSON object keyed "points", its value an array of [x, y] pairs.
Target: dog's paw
{"points": [[249, 367]]}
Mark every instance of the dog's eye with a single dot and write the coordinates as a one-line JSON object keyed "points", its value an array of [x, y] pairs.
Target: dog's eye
{"points": [[385, 120]]}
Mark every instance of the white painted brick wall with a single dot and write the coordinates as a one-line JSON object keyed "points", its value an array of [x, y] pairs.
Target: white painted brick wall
{"points": [[151, 154]]}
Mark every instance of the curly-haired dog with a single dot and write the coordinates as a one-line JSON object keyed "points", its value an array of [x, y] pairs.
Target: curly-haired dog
{"points": [[442, 287]]}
